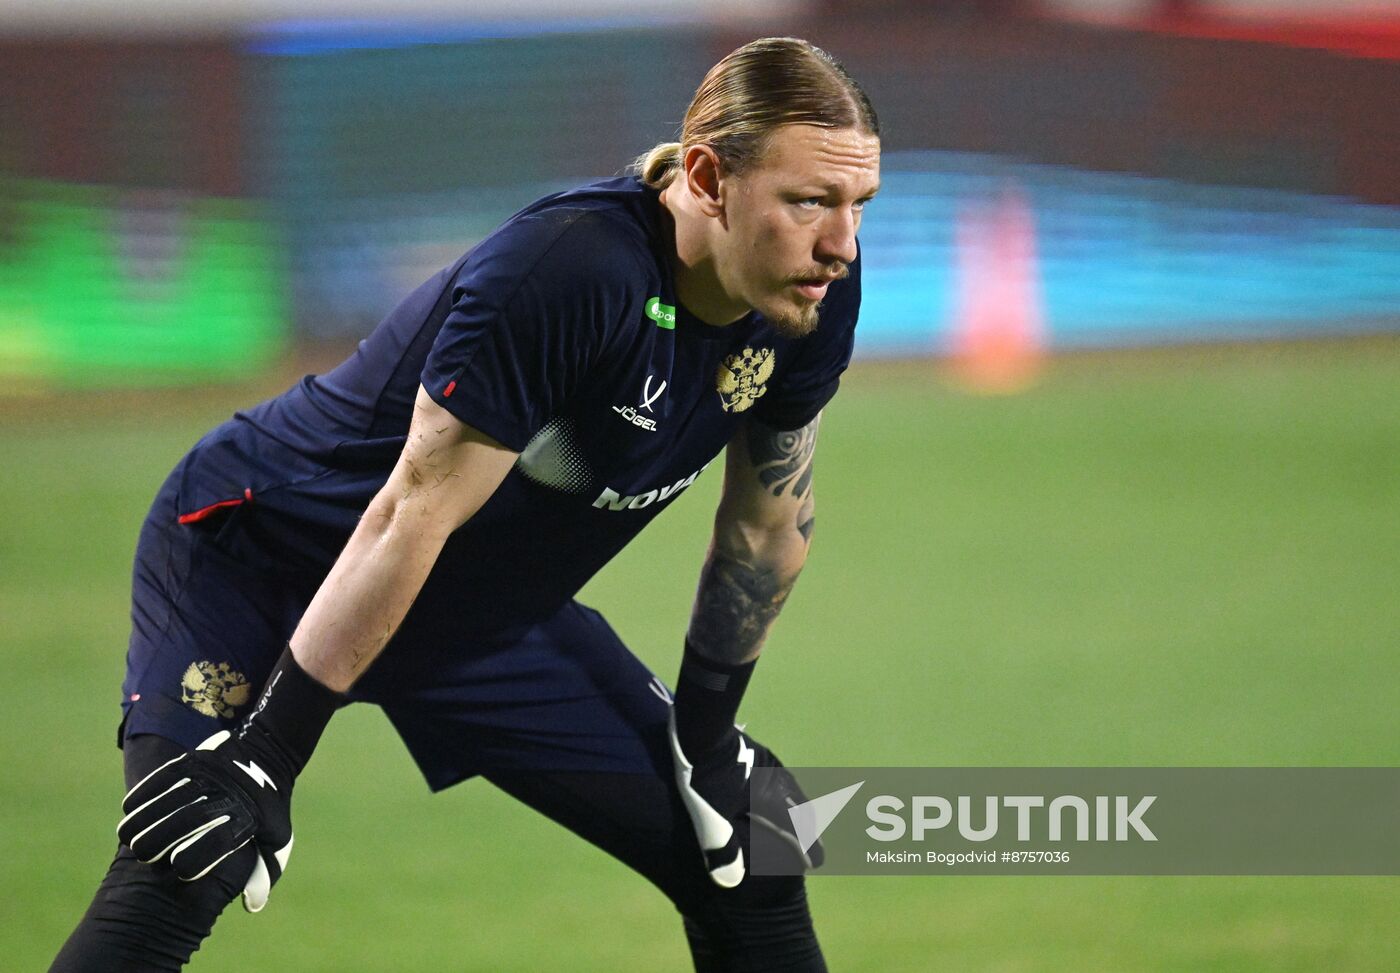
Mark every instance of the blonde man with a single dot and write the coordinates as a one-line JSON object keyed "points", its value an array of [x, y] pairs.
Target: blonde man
{"points": [[410, 530]]}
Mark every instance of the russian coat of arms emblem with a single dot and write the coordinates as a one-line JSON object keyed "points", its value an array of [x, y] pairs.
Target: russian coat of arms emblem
{"points": [[742, 379], [214, 690]]}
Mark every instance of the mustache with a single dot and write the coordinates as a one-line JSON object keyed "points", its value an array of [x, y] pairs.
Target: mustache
{"points": [[839, 271]]}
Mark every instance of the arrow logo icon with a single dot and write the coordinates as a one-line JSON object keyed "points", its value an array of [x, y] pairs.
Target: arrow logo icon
{"points": [[811, 818]]}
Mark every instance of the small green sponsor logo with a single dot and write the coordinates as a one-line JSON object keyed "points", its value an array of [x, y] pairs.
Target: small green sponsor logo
{"points": [[663, 314]]}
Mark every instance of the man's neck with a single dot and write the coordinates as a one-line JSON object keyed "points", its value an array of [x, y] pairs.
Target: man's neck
{"points": [[698, 286]]}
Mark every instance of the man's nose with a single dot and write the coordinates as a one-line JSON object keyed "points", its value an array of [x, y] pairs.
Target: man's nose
{"points": [[838, 239]]}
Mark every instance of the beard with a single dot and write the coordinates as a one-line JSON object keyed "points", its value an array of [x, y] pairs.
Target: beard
{"points": [[795, 322], [802, 320]]}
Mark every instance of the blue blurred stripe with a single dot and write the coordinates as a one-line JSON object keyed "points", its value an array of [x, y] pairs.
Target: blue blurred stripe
{"points": [[296, 38], [1126, 259]]}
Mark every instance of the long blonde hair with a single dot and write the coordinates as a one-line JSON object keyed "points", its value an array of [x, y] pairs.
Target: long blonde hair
{"points": [[755, 89]]}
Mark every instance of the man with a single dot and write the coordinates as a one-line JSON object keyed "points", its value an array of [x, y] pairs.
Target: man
{"points": [[410, 530]]}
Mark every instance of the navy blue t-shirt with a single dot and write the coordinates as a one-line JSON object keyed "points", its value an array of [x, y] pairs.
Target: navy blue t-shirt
{"points": [[561, 337]]}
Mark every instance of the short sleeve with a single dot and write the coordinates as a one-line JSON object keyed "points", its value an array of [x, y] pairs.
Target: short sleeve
{"points": [[530, 307], [809, 383]]}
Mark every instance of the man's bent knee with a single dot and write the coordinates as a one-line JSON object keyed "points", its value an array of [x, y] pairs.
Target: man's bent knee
{"points": [[144, 918]]}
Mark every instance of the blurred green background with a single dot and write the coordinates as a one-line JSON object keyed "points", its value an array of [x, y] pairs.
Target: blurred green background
{"points": [[1184, 557]]}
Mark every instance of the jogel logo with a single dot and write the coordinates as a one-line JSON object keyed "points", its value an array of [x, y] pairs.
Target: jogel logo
{"points": [[214, 690], [742, 379]]}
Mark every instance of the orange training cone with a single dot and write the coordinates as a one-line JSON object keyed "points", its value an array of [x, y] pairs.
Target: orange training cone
{"points": [[998, 330]]}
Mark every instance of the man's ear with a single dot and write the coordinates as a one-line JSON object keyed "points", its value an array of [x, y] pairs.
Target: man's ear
{"points": [[702, 179]]}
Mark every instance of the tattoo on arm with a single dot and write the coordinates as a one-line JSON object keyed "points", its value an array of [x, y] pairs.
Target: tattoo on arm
{"points": [[734, 607], [783, 458], [748, 575]]}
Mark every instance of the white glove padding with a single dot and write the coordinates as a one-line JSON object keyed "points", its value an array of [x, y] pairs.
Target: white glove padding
{"points": [[715, 795]]}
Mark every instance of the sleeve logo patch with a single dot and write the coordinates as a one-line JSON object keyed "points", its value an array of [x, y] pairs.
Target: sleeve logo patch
{"points": [[742, 379], [214, 690], [663, 314]]}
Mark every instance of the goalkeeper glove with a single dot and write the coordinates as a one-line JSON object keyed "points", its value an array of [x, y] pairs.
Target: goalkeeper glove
{"points": [[718, 793], [234, 788]]}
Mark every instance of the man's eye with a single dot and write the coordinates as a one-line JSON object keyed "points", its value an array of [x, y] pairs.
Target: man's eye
{"points": [[811, 202]]}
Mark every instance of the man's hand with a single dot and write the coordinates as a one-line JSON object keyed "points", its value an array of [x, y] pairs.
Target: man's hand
{"points": [[717, 793], [200, 808]]}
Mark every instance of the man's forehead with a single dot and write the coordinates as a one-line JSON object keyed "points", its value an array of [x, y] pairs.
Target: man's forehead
{"points": [[811, 153]]}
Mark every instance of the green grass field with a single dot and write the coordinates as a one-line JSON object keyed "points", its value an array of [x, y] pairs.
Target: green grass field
{"points": [[1173, 558]]}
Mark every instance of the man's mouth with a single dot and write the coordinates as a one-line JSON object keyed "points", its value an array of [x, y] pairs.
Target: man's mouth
{"points": [[814, 289], [814, 286]]}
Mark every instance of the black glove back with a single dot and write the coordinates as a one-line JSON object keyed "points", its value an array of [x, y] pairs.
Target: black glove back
{"points": [[198, 809], [716, 792], [201, 807]]}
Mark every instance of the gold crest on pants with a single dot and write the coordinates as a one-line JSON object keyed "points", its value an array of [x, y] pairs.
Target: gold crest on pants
{"points": [[214, 690]]}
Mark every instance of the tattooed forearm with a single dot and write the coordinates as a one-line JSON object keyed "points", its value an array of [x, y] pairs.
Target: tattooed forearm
{"points": [[762, 533], [783, 458], [735, 607]]}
